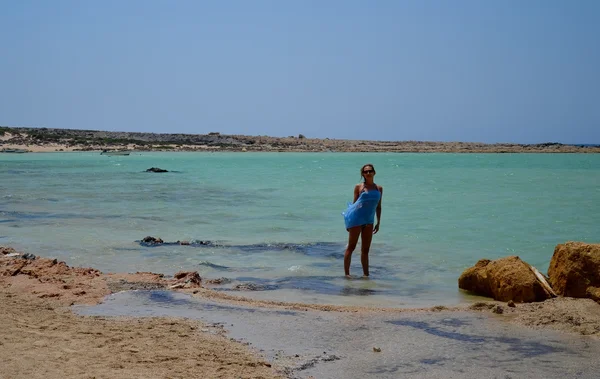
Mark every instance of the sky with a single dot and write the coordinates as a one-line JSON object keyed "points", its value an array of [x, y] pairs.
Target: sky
{"points": [[466, 70]]}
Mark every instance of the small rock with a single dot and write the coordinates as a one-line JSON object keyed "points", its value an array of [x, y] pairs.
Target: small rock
{"points": [[249, 287], [28, 256], [222, 280], [377, 349], [498, 309], [7, 251], [187, 279], [152, 240], [156, 169], [511, 304]]}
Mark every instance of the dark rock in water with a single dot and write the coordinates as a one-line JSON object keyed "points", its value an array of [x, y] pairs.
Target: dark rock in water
{"points": [[156, 169], [28, 256], [152, 241]]}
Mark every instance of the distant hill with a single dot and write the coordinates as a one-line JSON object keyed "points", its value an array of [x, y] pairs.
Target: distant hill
{"points": [[93, 140]]}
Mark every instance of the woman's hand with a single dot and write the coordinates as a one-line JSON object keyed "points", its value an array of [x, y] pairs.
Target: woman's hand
{"points": [[376, 228]]}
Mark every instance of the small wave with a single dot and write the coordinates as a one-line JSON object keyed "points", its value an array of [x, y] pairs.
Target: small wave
{"points": [[298, 269], [215, 266]]}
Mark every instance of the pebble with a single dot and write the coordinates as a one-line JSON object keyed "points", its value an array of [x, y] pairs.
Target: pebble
{"points": [[511, 304], [40, 344], [377, 349]]}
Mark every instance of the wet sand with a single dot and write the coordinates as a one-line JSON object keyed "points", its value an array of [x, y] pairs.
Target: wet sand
{"points": [[41, 337], [356, 345]]}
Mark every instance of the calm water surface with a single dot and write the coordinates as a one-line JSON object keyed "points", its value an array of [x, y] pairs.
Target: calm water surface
{"points": [[275, 218]]}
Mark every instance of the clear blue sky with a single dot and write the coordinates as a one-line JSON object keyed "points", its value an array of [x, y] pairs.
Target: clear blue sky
{"points": [[487, 71]]}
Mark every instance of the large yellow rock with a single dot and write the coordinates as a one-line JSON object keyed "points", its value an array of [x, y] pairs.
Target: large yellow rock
{"points": [[575, 270], [504, 279]]}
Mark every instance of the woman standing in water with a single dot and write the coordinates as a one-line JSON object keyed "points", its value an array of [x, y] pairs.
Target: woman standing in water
{"points": [[360, 218]]}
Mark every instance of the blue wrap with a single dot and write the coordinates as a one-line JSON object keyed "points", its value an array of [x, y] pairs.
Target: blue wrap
{"points": [[362, 212]]}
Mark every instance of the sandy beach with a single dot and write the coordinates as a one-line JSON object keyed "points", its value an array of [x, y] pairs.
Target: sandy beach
{"points": [[42, 337]]}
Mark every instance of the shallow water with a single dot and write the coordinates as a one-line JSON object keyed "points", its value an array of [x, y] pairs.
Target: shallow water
{"points": [[274, 219], [413, 345]]}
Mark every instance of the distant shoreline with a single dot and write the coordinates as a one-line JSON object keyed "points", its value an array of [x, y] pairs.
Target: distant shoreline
{"points": [[62, 140]]}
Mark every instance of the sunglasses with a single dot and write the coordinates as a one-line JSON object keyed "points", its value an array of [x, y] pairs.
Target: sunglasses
{"points": [[368, 171]]}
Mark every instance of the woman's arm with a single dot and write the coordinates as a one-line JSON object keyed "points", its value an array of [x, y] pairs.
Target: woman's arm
{"points": [[378, 211], [356, 193]]}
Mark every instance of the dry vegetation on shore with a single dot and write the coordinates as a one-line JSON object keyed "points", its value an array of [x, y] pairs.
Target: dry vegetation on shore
{"points": [[47, 140]]}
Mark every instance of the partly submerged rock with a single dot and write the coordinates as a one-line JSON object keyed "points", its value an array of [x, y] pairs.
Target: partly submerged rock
{"points": [[575, 270], [156, 169], [152, 240], [506, 279], [218, 281], [249, 287]]}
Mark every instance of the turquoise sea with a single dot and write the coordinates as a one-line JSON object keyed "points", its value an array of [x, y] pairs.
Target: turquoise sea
{"points": [[274, 219]]}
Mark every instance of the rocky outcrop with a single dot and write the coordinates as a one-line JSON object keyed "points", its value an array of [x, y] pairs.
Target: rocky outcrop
{"points": [[150, 241], [575, 270], [505, 279]]}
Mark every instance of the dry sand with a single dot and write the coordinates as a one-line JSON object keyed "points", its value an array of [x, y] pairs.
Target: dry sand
{"points": [[41, 337]]}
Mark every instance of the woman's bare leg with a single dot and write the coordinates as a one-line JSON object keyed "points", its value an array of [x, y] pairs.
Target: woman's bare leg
{"points": [[353, 234], [365, 245]]}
